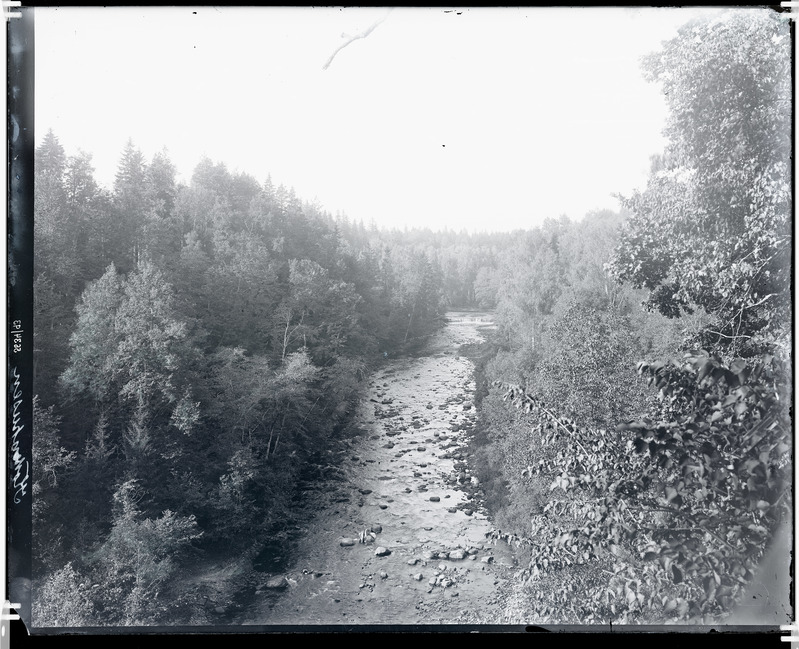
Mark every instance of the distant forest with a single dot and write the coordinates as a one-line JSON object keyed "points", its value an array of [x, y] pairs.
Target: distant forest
{"points": [[199, 346]]}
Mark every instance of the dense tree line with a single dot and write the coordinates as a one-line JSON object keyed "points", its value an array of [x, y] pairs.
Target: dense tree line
{"points": [[647, 464], [197, 346]]}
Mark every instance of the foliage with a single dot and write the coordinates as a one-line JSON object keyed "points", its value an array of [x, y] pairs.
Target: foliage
{"points": [[138, 558], [51, 467], [724, 189], [665, 517], [129, 347], [694, 508], [63, 599], [588, 369], [51, 457]]}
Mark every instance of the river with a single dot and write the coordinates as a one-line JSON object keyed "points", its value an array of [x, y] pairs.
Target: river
{"points": [[401, 539]]}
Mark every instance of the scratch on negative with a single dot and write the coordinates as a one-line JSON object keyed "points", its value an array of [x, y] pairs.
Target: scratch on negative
{"points": [[363, 34]]}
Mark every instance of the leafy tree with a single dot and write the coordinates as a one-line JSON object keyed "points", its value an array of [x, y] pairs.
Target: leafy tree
{"points": [[94, 341], [138, 559], [589, 367], [131, 355], [712, 228], [63, 599], [241, 290]]}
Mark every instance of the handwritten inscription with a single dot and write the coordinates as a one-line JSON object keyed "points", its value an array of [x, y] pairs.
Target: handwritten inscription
{"points": [[21, 465], [16, 336]]}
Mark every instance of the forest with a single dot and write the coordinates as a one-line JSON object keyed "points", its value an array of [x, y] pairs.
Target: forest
{"points": [[199, 346]]}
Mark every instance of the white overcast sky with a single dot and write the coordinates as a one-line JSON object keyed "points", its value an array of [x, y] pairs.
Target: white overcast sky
{"points": [[484, 119]]}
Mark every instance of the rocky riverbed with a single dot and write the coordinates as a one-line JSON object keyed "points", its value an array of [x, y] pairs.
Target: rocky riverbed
{"points": [[401, 537]]}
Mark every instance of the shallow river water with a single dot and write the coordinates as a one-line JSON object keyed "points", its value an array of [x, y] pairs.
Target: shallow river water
{"points": [[402, 539]]}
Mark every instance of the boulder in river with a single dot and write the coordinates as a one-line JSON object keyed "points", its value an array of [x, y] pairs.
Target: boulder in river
{"points": [[457, 554], [382, 552], [346, 542], [376, 528], [277, 582], [434, 499]]}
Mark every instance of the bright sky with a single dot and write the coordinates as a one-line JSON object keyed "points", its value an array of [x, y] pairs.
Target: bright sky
{"points": [[485, 119]]}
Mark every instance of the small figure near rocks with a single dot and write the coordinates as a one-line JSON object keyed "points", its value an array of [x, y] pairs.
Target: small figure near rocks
{"points": [[366, 536]]}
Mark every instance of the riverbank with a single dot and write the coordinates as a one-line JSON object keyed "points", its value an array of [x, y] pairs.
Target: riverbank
{"points": [[399, 536]]}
